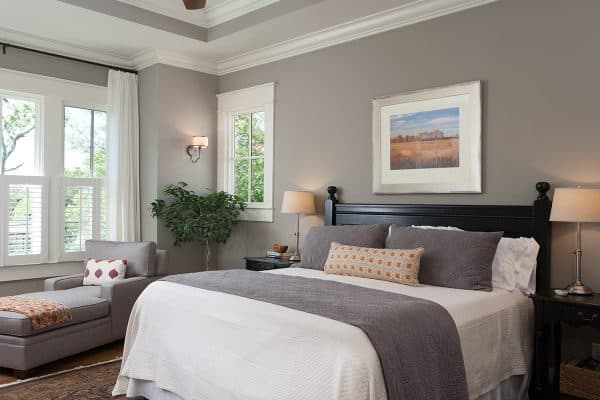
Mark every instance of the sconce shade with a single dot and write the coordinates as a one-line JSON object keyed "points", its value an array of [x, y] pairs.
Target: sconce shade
{"points": [[576, 205], [201, 141], [298, 203]]}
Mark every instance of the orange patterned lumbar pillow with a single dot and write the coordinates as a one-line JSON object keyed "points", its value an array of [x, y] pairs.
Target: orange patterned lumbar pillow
{"points": [[394, 265], [97, 272]]}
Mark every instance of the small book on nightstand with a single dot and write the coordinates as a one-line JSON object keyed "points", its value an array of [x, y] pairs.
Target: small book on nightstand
{"points": [[275, 254]]}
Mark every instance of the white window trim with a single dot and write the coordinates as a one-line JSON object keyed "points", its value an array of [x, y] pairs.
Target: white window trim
{"points": [[52, 95], [5, 181], [257, 98]]}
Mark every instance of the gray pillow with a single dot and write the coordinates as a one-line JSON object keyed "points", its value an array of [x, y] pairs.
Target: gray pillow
{"points": [[140, 256], [318, 240], [455, 259]]}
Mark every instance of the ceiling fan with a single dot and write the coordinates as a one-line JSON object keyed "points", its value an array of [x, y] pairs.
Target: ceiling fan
{"points": [[194, 4]]}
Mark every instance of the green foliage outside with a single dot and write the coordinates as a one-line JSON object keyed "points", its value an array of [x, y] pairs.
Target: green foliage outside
{"points": [[191, 217], [249, 162], [18, 121]]}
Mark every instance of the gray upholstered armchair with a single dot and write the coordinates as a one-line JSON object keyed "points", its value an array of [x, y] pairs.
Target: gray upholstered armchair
{"points": [[145, 264], [99, 314]]}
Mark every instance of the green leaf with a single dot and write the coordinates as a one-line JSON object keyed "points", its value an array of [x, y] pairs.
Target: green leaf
{"points": [[191, 217]]}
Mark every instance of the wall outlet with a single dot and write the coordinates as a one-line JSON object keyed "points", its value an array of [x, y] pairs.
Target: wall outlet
{"points": [[596, 351]]}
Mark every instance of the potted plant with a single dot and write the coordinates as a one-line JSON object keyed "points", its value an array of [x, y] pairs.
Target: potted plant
{"points": [[191, 217]]}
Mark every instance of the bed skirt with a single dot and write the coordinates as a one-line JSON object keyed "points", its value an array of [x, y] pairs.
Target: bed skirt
{"points": [[513, 388]]}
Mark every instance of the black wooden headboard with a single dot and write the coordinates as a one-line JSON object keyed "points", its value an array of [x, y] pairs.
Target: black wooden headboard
{"points": [[515, 221]]}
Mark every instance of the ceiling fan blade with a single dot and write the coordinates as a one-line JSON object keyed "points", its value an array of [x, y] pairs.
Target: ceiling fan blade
{"points": [[194, 4]]}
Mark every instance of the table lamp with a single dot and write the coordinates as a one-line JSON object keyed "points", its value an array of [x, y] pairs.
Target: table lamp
{"points": [[576, 205], [297, 203]]}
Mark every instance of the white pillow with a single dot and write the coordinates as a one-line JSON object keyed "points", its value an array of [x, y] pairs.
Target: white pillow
{"points": [[514, 264], [506, 263], [97, 271], [443, 228], [526, 272]]}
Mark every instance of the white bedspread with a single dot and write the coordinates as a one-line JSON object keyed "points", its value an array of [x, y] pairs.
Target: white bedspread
{"points": [[206, 345]]}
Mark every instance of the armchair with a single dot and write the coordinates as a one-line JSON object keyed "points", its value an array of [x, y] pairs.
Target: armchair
{"points": [[145, 264], [99, 313]]}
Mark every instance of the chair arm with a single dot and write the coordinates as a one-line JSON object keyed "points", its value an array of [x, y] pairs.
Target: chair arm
{"points": [[122, 295], [63, 282]]}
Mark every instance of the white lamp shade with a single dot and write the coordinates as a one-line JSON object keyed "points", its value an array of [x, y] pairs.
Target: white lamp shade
{"points": [[298, 203], [201, 141], [576, 205]]}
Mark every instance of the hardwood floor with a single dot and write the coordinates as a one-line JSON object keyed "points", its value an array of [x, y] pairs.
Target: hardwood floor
{"points": [[104, 353]]}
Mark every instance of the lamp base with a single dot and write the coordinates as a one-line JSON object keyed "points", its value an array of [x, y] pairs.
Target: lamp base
{"points": [[578, 288]]}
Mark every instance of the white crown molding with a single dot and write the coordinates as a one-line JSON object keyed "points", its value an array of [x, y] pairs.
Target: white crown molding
{"points": [[137, 62], [42, 44], [149, 58], [206, 18], [412, 13]]}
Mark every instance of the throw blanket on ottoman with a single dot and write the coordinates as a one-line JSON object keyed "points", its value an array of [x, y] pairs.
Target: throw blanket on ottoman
{"points": [[416, 340], [42, 313]]}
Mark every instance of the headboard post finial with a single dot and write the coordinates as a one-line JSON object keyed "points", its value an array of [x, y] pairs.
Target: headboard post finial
{"points": [[542, 188], [332, 190], [542, 234], [330, 205]]}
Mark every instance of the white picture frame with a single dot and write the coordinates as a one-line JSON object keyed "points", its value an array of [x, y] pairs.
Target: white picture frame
{"points": [[428, 141]]}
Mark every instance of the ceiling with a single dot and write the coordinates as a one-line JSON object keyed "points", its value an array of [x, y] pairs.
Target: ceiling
{"points": [[215, 12], [228, 35]]}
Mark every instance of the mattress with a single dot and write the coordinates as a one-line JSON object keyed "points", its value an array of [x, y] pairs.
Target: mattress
{"points": [[197, 343]]}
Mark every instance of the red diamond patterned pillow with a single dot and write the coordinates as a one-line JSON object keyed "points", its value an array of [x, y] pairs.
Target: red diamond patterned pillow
{"points": [[97, 272]]}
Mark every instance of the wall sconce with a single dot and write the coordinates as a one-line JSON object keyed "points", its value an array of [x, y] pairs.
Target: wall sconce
{"points": [[198, 143]]}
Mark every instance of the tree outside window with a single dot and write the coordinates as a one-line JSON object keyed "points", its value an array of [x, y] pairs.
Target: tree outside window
{"points": [[85, 158], [249, 156]]}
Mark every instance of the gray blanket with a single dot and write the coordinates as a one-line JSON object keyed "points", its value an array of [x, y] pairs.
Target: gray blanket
{"points": [[416, 340]]}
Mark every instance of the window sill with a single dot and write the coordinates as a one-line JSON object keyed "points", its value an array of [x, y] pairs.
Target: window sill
{"points": [[257, 215], [39, 271]]}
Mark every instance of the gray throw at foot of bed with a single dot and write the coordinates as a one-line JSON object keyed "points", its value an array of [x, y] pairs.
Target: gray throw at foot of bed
{"points": [[416, 340]]}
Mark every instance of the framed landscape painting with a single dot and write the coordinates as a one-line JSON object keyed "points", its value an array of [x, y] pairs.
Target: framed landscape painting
{"points": [[428, 141]]}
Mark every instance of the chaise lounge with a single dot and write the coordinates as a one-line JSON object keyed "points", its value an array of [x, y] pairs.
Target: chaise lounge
{"points": [[99, 314]]}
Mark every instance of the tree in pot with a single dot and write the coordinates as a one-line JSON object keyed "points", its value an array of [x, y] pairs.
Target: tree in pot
{"points": [[191, 217]]}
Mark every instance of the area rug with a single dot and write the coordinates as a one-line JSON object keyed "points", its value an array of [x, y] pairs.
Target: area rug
{"points": [[94, 382]]}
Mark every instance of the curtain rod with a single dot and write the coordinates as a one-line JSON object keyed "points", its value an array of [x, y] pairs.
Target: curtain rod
{"points": [[5, 45]]}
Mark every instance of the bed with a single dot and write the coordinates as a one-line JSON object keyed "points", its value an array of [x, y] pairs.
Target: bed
{"points": [[185, 342]]}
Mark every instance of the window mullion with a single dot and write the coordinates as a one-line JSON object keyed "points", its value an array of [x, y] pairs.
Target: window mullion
{"points": [[250, 138], [92, 143]]}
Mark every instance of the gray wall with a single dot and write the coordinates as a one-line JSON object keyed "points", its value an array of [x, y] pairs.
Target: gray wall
{"points": [[539, 62], [175, 104], [41, 64]]}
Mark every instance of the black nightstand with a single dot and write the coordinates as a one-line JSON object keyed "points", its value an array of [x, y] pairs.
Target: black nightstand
{"points": [[265, 263], [551, 312]]}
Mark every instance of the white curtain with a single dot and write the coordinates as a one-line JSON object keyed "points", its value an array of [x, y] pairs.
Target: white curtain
{"points": [[123, 149]]}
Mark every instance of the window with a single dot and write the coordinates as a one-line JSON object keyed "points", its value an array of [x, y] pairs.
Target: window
{"points": [[249, 156], [19, 135], [245, 164], [52, 162], [84, 169], [24, 195]]}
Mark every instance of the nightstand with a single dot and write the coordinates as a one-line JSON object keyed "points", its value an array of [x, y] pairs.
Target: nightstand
{"points": [[266, 263], [551, 312]]}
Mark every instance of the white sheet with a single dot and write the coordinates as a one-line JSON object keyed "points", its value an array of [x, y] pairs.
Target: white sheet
{"points": [[202, 344]]}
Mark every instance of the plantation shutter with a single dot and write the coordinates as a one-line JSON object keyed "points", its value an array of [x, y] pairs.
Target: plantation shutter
{"points": [[82, 215], [24, 219]]}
